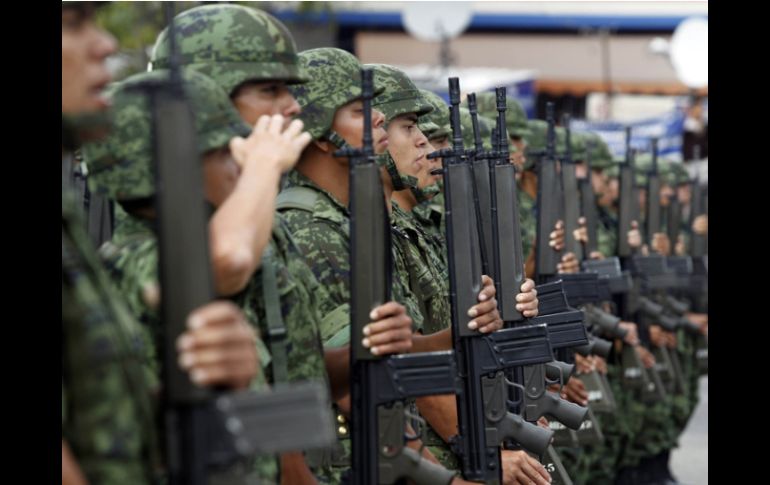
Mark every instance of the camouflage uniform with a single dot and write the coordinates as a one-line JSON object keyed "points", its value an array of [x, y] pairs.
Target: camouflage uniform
{"points": [[234, 44], [320, 224], [430, 212], [231, 44], [425, 260], [108, 413], [132, 255], [516, 122]]}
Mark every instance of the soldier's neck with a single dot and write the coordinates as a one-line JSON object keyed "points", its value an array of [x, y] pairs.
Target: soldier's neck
{"points": [[529, 183], [326, 171], [387, 189], [405, 199]]}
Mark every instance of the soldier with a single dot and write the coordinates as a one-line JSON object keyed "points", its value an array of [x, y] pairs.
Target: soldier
{"points": [[527, 193], [120, 168], [516, 123], [257, 81], [109, 432], [315, 199], [402, 103]]}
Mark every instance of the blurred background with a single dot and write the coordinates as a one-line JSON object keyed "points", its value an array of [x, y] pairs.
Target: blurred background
{"points": [[608, 64]]}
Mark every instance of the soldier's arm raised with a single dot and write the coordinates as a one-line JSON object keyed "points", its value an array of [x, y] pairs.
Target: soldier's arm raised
{"points": [[241, 227]]}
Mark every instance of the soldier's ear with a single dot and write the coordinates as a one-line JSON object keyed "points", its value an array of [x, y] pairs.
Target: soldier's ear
{"points": [[322, 145]]}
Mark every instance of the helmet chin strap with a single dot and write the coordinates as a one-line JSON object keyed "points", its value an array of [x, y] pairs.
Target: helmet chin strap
{"points": [[336, 140]]}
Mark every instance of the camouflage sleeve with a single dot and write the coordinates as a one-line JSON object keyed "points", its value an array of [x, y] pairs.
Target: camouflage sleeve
{"points": [[303, 351], [606, 240], [401, 286], [133, 268], [325, 248]]}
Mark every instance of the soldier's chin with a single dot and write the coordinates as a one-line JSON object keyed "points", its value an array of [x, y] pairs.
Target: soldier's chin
{"points": [[99, 102]]}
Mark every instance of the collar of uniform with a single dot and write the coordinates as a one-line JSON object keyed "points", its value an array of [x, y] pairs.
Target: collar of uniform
{"points": [[296, 178], [128, 226]]}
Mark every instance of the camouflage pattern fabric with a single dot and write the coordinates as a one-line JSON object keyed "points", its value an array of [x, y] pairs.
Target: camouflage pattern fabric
{"points": [[335, 81], [401, 96], [428, 277], [606, 231], [120, 166], [438, 116], [323, 238], [515, 116], [231, 44], [430, 215], [132, 260], [428, 274], [107, 384], [528, 222], [601, 157]]}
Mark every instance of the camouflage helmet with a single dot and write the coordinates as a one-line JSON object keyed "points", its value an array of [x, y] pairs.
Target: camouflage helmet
{"points": [[429, 129], [601, 157], [120, 166], [515, 116], [401, 96], [642, 167], [680, 172], [231, 44], [613, 171], [485, 129], [578, 145], [535, 142], [561, 142], [666, 172], [439, 117], [486, 125], [335, 80]]}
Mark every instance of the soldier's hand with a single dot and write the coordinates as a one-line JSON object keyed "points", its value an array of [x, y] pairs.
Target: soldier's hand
{"points": [[701, 225], [486, 317], [219, 347], [632, 335], [601, 365], [648, 360], [581, 233], [661, 244], [390, 331], [556, 238], [575, 391], [521, 469], [526, 301], [701, 319], [680, 248], [670, 340], [596, 255], [582, 364], [270, 144], [634, 236], [657, 336], [569, 264], [543, 423]]}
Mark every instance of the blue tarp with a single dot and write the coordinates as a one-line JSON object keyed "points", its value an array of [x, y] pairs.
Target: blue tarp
{"points": [[667, 128]]}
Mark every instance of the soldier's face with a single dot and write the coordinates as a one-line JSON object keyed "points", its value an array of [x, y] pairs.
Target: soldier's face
{"points": [[614, 188], [254, 99], [580, 169], [220, 173], [518, 157], [349, 124], [665, 192], [408, 145], [684, 193], [600, 185], [440, 143], [427, 179], [642, 197], [84, 48]]}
